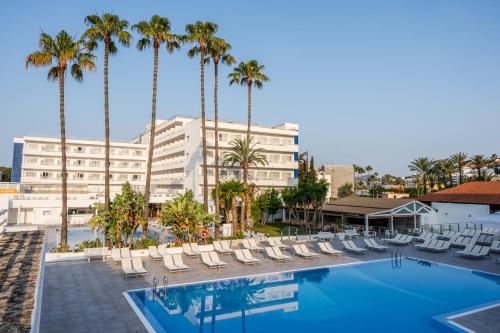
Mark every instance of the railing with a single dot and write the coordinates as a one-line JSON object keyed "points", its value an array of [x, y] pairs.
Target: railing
{"points": [[3, 221], [451, 227]]}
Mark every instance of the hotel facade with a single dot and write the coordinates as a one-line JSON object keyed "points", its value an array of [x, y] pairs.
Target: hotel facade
{"points": [[177, 167]]}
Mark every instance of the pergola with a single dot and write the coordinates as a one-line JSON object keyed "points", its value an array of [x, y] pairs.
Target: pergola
{"points": [[412, 208]]}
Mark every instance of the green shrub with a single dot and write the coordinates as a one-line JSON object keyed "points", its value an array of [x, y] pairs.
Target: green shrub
{"points": [[88, 244], [60, 249], [143, 244]]}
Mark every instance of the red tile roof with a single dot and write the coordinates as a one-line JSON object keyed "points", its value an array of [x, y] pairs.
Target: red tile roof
{"points": [[486, 193]]}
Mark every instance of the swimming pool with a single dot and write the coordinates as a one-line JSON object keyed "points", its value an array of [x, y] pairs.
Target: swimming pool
{"points": [[379, 296]]}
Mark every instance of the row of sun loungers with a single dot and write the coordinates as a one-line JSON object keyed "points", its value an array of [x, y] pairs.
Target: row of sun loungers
{"points": [[245, 257], [474, 251], [399, 239], [133, 266], [301, 250], [211, 259]]}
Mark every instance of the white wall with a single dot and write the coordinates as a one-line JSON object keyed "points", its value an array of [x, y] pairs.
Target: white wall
{"points": [[456, 213]]}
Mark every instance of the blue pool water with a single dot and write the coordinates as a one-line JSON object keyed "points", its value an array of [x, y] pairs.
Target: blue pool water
{"points": [[370, 297]]}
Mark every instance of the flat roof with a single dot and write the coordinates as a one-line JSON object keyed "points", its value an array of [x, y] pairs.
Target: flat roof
{"points": [[363, 205], [484, 193]]}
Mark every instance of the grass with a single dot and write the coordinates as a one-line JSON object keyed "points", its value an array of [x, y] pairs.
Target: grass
{"points": [[271, 229]]}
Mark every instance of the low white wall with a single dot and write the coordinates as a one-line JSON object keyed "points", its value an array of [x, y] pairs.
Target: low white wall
{"points": [[456, 213]]}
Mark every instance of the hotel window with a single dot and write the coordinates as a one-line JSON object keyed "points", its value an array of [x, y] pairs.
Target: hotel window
{"points": [[29, 159], [223, 173], [94, 176], [262, 139], [275, 141], [210, 153], [222, 137], [274, 175], [274, 158], [80, 175], [210, 172], [45, 174], [262, 175], [46, 213], [286, 141], [124, 152], [286, 175], [135, 177], [95, 150], [95, 163], [251, 175], [286, 158], [78, 162], [235, 137], [122, 177], [32, 146], [80, 149], [30, 173]]}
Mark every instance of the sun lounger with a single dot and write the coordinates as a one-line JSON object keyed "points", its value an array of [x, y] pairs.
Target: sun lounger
{"points": [[351, 233], [331, 248], [125, 252], [477, 252], [280, 254], [271, 242], [423, 236], [306, 250], [485, 239], [153, 253], [324, 248], [299, 252], [325, 235], [303, 238], [95, 252], [270, 251], [225, 246], [440, 246], [188, 250], [372, 244], [215, 259], [252, 246], [162, 249], [138, 267], [280, 244], [427, 242], [115, 254], [180, 263], [168, 262], [495, 247], [247, 254], [205, 259], [127, 267], [350, 246], [241, 258], [394, 239], [218, 247]]}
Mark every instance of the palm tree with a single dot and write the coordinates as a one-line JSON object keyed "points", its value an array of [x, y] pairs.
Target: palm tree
{"points": [[230, 191], [245, 155], [249, 74], [202, 33], [60, 53], [423, 166], [218, 50], [156, 31], [444, 171], [107, 28], [478, 163], [460, 160]]}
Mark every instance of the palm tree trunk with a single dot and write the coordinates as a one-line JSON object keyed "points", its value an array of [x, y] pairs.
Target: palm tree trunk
{"points": [[246, 204], [203, 129], [64, 174], [106, 131], [216, 154], [235, 215], [151, 144]]}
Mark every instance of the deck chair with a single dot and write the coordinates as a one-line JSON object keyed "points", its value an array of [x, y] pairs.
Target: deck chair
{"points": [[205, 259], [253, 244], [215, 258], [351, 247], [323, 248], [115, 254], [299, 252], [279, 244], [331, 248], [272, 255], [247, 254], [180, 263], [186, 247], [495, 247], [138, 267], [394, 240], [372, 244], [241, 258], [280, 254], [168, 262], [127, 267], [125, 252], [162, 249], [477, 252], [225, 246], [153, 253], [218, 247], [305, 249]]}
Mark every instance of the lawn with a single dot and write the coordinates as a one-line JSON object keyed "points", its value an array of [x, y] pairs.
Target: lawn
{"points": [[271, 229]]}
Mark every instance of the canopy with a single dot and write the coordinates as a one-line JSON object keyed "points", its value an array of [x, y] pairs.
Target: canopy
{"points": [[491, 219]]}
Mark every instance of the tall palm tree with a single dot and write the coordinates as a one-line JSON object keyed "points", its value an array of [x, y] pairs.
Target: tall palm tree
{"points": [[59, 53], [248, 74], [246, 155], [460, 160], [230, 191], [478, 163], [154, 32], [201, 33], [109, 29], [218, 52], [423, 166]]}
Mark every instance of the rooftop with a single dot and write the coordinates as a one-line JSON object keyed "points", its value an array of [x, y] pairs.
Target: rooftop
{"points": [[363, 205], [485, 193]]}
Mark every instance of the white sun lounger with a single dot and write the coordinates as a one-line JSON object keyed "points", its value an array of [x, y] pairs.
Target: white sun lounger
{"points": [[180, 263], [162, 249], [115, 255], [215, 259], [153, 253], [372, 244], [426, 243], [323, 246], [247, 254], [423, 236], [205, 259], [495, 247], [127, 267], [225, 246], [188, 250], [138, 267], [280, 244], [280, 254], [477, 252], [168, 262], [218, 247], [125, 252], [394, 239], [350, 246], [241, 258], [276, 254], [249, 245], [299, 252], [305, 249]]}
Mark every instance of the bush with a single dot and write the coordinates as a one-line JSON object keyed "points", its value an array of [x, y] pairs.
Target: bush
{"points": [[60, 249], [88, 244], [143, 244]]}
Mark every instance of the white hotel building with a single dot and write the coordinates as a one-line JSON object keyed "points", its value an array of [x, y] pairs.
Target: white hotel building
{"points": [[177, 166]]}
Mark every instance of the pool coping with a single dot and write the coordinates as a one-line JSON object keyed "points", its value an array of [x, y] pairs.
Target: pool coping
{"points": [[445, 319]]}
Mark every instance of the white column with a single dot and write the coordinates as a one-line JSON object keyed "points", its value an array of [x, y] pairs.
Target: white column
{"points": [[392, 224], [415, 220], [366, 223]]}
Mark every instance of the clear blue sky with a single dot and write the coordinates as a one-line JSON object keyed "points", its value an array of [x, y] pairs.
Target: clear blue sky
{"points": [[369, 82]]}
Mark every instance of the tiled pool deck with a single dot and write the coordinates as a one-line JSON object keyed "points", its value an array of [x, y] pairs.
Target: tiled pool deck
{"points": [[87, 297]]}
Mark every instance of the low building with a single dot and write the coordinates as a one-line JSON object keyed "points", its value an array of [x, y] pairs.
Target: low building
{"points": [[394, 195], [336, 176], [463, 203]]}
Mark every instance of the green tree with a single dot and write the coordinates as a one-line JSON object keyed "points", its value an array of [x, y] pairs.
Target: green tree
{"points": [[248, 74], [110, 30], [345, 190], [478, 163], [230, 191], [460, 160], [185, 215], [423, 167], [6, 174], [201, 33], [154, 32], [218, 52], [59, 53], [267, 204], [289, 197]]}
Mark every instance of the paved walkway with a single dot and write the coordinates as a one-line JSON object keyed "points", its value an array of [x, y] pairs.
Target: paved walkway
{"points": [[87, 297]]}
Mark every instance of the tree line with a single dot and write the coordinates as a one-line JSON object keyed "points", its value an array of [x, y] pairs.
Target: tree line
{"points": [[64, 52]]}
